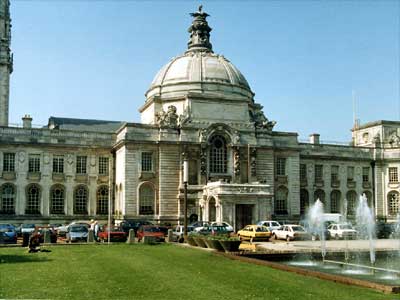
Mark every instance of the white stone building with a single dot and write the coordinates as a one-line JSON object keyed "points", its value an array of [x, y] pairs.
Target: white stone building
{"points": [[199, 108]]}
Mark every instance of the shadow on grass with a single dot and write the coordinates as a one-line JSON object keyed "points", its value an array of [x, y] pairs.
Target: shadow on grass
{"points": [[28, 258]]}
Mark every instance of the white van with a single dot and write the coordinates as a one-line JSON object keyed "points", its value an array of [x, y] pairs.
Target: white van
{"points": [[337, 218]]}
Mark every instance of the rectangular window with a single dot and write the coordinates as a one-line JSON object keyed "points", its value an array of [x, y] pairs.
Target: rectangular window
{"points": [[350, 173], [303, 172], [81, 162], [34, 163], [319, 173], [9, 162], [103, 165], [365, 174], [334, 173], [281, 166], [147, 161], [58, 164], [393, 175]]}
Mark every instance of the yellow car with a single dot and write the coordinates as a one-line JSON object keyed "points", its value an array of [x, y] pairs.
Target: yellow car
{"points": [[254, 232]]}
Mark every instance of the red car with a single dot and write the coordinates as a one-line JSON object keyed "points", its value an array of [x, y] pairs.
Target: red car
{"points": [[150, 230], [116, 234]]}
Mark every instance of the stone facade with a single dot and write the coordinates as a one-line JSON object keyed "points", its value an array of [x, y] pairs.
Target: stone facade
{"points": [[199, 108]]}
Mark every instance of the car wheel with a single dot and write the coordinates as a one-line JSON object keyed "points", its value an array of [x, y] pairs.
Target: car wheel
{"points": [[287, 238]]}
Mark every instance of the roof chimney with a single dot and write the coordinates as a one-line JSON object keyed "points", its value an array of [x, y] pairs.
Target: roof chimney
{"points": [[27, 121], [314, 138]]}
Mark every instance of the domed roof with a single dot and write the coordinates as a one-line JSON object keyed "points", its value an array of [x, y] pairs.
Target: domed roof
{"points": [[199, 69]]}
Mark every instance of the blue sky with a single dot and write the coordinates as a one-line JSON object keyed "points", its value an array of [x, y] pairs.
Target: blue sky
{"points": [[303, 59]]}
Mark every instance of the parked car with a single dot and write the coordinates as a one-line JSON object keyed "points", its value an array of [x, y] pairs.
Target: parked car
{"points": [[63, 229], [128, 224], [272, 225], [254, 232], [315, 232], [214, 230], [179, 231], [41, 230], [227, 225], [8, 234], [77, 233], [27, 228], [150, 230], [291, 232], [198, 224], [116, 234], [342, 231], [385, 230]]}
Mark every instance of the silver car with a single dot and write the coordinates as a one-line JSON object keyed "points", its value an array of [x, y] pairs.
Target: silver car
{"points": [[77, 233]]}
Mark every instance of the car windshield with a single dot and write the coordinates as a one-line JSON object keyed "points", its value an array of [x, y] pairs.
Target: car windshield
{"points": [[298, 228], [275, 224], [28, 225], [261, 229], [345, 226], [79, 229], [151, 229]]}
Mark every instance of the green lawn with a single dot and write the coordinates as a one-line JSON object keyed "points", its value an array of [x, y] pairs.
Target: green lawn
{"points": [[155, 272]]}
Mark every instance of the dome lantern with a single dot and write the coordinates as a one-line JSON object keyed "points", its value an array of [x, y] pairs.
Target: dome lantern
{"points": [[199, 32]]}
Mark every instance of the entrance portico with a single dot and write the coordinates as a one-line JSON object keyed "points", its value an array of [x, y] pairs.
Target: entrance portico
{"points": [[237, 204]]}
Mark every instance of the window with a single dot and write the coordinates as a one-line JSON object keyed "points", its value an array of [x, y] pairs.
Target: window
{"points": [[393, 175], [57, 200], [58, 164], [9, 162], [281, 166], [80, 200], [102, 200], [393, 203], [33, 200], [103, 165], [319, 173], [303, 172], [304, 201], [365, 174], [218, 155], [34, 163], [351, 202], [81, 162], [335, 201], [319, 194], [334, 173], [147, 161], [8, 199], [281, 201], [146, 200], [350, 173]]}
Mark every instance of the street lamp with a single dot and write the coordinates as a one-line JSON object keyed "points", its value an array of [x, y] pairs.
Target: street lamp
{"points": [[185, 185]]}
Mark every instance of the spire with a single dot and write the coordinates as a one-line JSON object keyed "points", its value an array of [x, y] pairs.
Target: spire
{"points": [[199, 32]]}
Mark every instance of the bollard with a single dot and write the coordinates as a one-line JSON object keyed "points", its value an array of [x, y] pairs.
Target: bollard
{"points": [[25, 239], [170, 237], [131, 237], [90, 237], [47, 238]]}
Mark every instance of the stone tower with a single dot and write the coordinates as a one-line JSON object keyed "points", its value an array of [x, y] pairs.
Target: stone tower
{"points": [[6, 60]]}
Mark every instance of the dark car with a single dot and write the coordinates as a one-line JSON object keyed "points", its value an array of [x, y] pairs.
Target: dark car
{"points": [[315, 232], [150, 230], [215, 230], [385, 230], [128, 224], [41, 231], [7, 234]]}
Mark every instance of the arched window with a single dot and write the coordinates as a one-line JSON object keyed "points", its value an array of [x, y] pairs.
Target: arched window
{"points": [[351, 197], [146, 200], [281, 201], [102, 200], [335, 201], [393, 203], [304, 201], [218, 155], [319, 194], [32, 200], [57, 196], [80, 200], [8, 199]]}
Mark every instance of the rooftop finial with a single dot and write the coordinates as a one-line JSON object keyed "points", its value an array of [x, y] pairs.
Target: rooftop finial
{"points": [[199, 32]]}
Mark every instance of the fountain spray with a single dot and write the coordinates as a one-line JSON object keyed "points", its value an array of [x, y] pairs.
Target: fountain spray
{"points": [[315, 220]]}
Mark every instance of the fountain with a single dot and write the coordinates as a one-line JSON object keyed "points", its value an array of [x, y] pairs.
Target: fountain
{"points": [[315, 221]]}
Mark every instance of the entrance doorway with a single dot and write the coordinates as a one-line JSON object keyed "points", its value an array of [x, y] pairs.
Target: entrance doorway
{"points": [[244, 215]]}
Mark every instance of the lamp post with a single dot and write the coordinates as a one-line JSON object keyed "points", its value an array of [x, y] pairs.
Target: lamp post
{"points": [[185, 185]]}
